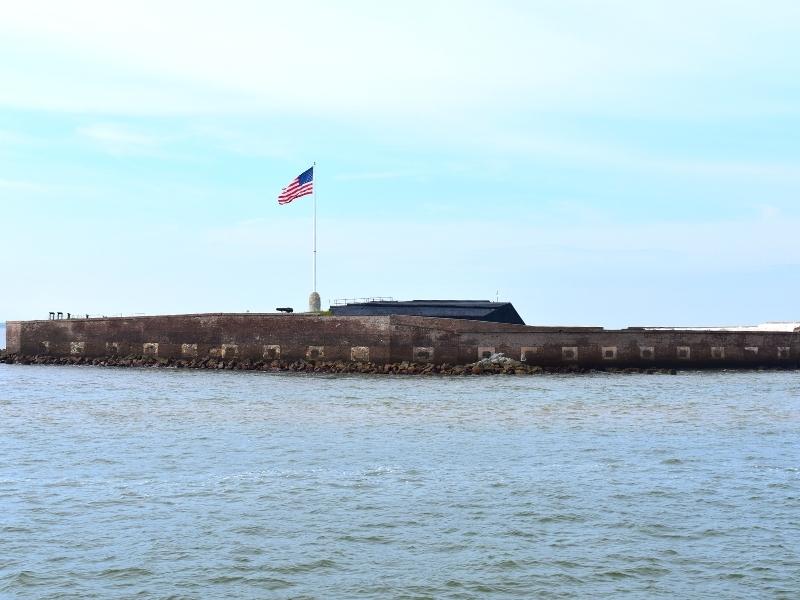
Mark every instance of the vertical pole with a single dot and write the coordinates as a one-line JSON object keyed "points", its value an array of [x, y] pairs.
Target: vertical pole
{"points": [[314, 174], [314, 304]]}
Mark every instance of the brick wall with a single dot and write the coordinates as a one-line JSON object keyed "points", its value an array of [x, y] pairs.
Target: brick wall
{"points": [[396, 339]]}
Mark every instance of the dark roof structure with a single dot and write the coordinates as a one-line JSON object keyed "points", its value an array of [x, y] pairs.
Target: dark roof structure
{"points": [[473, 310]]}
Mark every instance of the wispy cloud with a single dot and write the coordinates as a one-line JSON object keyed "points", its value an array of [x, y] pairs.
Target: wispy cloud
{"points": [[26, 186], [8, 137], [617, 155], [120, 139], [424, 58], [244, 143], [374, 175], [676, 245]]}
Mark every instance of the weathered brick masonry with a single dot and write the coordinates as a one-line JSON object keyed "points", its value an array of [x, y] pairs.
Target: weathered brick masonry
{"points": [[392, 339], [253, 336], [466, 341]]}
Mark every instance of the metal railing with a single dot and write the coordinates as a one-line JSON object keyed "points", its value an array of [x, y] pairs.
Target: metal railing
{"points": [[60, 315], [343, 301]]}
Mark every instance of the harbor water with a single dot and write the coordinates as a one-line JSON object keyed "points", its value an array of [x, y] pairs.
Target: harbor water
{"points": [[163, 483]]}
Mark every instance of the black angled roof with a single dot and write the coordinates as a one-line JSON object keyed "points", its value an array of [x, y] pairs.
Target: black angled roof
{"points": [[474, 310]]}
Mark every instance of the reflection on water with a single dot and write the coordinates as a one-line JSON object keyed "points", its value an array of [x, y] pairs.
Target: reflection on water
{"points": [[118, 482]]}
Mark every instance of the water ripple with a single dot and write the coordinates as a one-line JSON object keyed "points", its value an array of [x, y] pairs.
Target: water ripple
{"points": [[170, 484]]}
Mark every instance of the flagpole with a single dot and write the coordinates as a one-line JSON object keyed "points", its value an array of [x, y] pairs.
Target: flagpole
{"points": [[314, 304], [314, 173]]}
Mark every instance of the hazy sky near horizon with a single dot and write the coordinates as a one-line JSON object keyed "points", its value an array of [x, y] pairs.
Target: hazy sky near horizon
{"points": [[612, 163]]}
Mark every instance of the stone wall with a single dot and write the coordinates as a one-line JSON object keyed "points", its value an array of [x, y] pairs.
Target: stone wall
{"points": [[12, 336], [243, 336], [394, 339], [463, 342]]}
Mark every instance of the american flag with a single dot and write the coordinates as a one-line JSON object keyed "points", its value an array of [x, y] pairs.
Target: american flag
{"points": [[302, 185]]}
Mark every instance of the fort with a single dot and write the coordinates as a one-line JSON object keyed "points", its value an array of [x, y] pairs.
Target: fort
{"points": [[388, 337]]}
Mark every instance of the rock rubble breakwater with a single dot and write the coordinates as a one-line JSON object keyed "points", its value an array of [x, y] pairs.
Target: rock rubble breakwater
{"points": [[496, 365]]}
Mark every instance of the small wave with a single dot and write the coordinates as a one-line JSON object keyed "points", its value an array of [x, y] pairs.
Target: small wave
{"points": [[223, 579], [648, 571], [307, 567], [24, 579], [15, 529], [268, 583], [615, 575], [566, 564], [251, 530], [508, 565], [518, 533], [562, 518], [366, 539], [125, 572], [712, 533]]}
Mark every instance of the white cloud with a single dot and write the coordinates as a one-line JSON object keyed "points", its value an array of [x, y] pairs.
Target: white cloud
{"points": [[621, 156], [369, 175], [24, 186], [510, 245], [9, 138], [768, 212], [117, 134], [120, 139], [245, 143], [415, 58]]}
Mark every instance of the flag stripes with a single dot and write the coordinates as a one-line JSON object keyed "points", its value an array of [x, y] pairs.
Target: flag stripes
{"points": [[302, 185]]}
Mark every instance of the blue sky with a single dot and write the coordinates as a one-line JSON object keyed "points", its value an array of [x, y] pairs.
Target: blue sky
{"points": [[617, 163]]}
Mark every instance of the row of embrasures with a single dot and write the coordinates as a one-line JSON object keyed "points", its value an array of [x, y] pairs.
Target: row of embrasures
{"points": [[528, 354]]}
